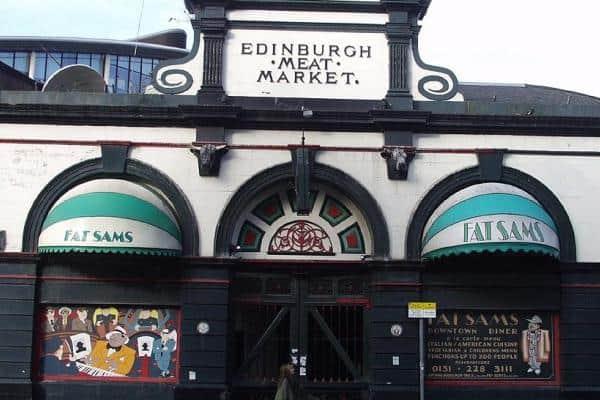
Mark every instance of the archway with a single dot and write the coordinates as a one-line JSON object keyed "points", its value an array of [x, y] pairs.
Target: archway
{"points": [[135, 171], [282, 175], [472, 176]]}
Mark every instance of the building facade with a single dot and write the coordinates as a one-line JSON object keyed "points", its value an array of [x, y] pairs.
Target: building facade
{"points": [[126, 66], [302, 177]]}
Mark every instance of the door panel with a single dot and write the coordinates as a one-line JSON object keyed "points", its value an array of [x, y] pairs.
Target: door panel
{"points": [[338, 359], [262, 341], [277, 316]]}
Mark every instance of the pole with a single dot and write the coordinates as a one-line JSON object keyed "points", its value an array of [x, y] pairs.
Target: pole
{"points": [[421, 360]]}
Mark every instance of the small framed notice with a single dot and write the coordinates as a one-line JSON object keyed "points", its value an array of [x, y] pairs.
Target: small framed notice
{"points": [[421, 310]]}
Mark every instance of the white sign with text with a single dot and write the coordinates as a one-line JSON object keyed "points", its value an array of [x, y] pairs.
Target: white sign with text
{"points": [[338, 65]]}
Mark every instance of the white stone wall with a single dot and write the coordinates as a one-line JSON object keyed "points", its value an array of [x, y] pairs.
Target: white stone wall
{"points": [[27, 168]]}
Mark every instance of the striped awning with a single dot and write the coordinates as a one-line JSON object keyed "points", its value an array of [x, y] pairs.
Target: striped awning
{"points": [[489, 217], [110, 216]]}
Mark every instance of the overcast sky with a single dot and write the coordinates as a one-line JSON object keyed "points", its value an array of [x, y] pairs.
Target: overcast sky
{"points": [[544, 42]]}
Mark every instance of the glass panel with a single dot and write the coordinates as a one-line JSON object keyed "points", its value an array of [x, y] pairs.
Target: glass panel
{"points": [[134, 75], [69, 59], [112, 78], [54, 60], [122, 74], [22, 62], [83, 58], [146, 72], [7, 57], [97, 63], [40, 66]]}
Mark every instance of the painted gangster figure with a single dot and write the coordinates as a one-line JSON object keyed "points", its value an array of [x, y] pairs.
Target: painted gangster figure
{"points": [[535, 345]]}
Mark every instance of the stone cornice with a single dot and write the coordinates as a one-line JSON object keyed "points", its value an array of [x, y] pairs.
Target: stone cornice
{"points": [[356, 117]]}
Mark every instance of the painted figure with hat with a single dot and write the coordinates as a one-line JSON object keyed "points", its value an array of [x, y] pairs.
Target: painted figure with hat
{"points": [[81, 323], [112, 354], [535, 345], [63, 321], [162, 349]]}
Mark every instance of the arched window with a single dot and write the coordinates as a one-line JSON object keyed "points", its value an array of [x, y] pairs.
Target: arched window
{"points": [[271, 227]]}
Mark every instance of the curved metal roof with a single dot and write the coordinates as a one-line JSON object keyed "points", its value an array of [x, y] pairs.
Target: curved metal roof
{"points": [[144, 46], [524, 94]]}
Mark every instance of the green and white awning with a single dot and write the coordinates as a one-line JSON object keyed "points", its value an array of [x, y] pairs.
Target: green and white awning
{"points": [[490, 217], [110, 216]]}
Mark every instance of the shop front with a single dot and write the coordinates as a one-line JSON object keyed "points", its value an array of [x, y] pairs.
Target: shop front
{"points": [[117, 309], [491, 256], [302, 177]]}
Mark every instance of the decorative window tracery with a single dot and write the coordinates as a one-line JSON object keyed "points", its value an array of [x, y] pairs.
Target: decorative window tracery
{"points": [[301, 237], [333, 228]]}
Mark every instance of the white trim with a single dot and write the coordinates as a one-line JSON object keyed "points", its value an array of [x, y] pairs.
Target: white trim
{"points": [[31, 72], [106, 73]]}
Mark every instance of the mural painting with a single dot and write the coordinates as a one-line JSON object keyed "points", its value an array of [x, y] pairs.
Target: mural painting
{"points": [[109, 342]]}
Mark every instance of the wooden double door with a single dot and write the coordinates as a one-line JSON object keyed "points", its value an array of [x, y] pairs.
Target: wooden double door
{"points": [[315, 322]]}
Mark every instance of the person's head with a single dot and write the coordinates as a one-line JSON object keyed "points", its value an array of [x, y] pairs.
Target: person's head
{"points": [[50, 313], [117, 337], [82, 313], [535, 323], [64, 311], [286, 371]]}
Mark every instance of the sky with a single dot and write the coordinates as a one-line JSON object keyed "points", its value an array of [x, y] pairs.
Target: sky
{"points": [[543, 42]]}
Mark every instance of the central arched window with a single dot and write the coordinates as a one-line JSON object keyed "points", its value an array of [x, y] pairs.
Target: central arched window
{"points": [[271, 227]]}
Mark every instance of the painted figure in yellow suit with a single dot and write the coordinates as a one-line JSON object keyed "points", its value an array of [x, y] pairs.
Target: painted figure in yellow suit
{"points": [[112, 354]]}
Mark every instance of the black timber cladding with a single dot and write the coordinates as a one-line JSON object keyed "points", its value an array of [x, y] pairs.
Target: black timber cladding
{"points": [[17, 311], [580, 323], [389, 295]]}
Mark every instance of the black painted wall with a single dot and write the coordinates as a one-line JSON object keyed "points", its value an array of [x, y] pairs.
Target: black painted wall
{"points": [[17, 291], [580, 331], [390, 294]]}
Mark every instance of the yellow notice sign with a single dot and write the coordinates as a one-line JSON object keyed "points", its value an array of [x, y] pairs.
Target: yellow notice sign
{"points": [[421, 310]]}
